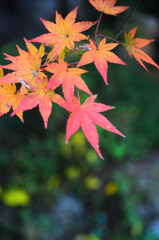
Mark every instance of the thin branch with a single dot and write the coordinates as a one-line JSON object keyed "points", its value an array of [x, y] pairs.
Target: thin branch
{"points": [[98, 25], [72, 63], [100, 35], [76, 51], [127, 20]]}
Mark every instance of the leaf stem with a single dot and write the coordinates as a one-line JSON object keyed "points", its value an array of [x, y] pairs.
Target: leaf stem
{"points": [[72, 63], [113, 39], [98, 25], [77, 52], [127, 20]]}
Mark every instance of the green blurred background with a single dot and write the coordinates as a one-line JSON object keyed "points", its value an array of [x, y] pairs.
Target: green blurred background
{"points": [[53, 191]]}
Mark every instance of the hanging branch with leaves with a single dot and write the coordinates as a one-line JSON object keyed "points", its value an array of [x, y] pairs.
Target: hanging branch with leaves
{"points": [[30, 70]]}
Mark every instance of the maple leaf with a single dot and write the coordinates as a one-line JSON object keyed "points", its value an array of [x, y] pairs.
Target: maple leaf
{"points": [[100, 56], [133, 46], [107, 6], [40, 96], [9, 97], [86, 116], [64, 33], [68, 77], [1, 73], [25, 66]]}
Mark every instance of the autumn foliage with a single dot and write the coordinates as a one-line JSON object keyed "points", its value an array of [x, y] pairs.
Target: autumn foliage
{"points": [[27, 86]]}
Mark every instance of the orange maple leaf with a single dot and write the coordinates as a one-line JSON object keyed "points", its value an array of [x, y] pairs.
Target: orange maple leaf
{"points": [[100, 56], [86, 116], [107, 6], [64, 33], [25, 66], [68, 77], [9, 97], [40, 96], [133, 46]]}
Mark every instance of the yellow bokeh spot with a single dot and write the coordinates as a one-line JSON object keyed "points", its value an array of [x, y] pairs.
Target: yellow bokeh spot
{"points": [[111, 188], [16, 197], [53, 182], [86, 237], [92, 157], [92, 182], [72, 172], [78, 139], [78, 143], [92, 238]]}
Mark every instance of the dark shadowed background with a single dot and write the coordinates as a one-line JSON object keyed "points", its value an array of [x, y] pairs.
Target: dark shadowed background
{"points": [[53, 191]]}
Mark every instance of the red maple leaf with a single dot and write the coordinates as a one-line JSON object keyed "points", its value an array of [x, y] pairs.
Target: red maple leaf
{"points": [[64, 33], [133, 46], [68, 77], [40, 96], [100, 56], [86, 116], [107, 6]]}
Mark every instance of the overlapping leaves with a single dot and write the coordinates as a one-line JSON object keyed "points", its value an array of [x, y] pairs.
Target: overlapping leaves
{"points": [[40, 97], [27, 86], [64, 33], [68, 77], [25, 66]]}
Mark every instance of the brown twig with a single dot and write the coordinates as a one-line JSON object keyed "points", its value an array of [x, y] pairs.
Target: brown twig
{"points": [[98, 25], [127, 20], [100, 35]]}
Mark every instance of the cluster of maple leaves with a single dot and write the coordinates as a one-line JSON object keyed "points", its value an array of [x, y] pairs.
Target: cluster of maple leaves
{"points": [[28, 86]]}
